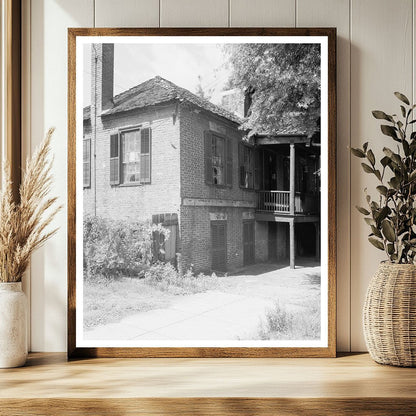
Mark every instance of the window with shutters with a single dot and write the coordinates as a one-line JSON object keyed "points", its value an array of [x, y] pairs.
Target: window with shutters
{"points": [[218, 160], [130, 157], [86, 163]]}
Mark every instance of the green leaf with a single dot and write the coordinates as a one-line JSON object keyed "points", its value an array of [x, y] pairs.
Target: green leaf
{"points": [[376, 231], [362, 210], [381, 115], [393, 156], [365, 145], [412, 176], [394, 182], [378, 174], [369, 221], [406, 147], [382, 214], [413, 121], [382, 189], [390, 248], [402, 97], [366, 168], [403, 111], [385, 161], [370, 157], [389, 131], [388, 230], [357, 152], [376, 243]]}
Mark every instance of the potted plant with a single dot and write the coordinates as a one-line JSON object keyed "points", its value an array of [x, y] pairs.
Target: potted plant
{"points": [[389, 316], [23, 229]]}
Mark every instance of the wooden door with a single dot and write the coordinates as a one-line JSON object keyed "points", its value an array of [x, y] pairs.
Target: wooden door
{"points": [[272, 240], [248, 242], [219, 246]]}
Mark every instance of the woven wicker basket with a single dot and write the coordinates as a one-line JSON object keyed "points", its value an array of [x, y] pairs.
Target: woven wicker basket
{"points": [[390, 315]]}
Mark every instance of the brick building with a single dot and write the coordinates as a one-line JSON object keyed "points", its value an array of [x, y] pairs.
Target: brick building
{"points": [[157, 151]]}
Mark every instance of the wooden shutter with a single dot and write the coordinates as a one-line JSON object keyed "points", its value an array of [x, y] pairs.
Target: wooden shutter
{"points": [[145, 152], [229, 162], [242, 169], [219, 246], [208, 157], [257, 177], [114, 159], [87, 163]]}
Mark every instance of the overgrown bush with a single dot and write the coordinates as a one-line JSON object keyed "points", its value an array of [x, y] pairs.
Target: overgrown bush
{"points": [[166, 278], [282, 324], [113, 248]]}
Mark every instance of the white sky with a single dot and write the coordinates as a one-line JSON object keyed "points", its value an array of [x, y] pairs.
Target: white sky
{"points": [[179, 63]]}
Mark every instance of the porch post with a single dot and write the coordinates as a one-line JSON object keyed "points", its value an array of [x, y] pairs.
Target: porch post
{"points": [[292, 180], [292, 245]]}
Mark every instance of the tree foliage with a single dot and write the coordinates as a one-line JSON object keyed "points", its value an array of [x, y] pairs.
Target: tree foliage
{"points": [[392, 216], [286, 82]]}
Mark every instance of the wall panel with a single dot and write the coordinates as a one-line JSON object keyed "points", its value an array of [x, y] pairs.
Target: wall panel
{"points": [[262, 13], [379, 60], [49, 22], [335, 13], [132, 13], [381, 63], [193, 13]]}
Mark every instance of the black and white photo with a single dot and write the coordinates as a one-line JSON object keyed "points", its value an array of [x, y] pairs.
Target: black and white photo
{"points": [[201, 191]]}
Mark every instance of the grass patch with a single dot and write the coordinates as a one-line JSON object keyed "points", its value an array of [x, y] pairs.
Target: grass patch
{"points": [[281, 324], [108, 300]]}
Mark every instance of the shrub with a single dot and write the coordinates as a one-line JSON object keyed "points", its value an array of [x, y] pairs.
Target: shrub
{"points": [[112, 248], [166, 278], [283, 324]]}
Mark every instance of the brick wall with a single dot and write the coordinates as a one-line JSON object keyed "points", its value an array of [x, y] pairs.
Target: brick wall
{"points": [[193, 124], [134, 202], [195, 228], [195, 221]]}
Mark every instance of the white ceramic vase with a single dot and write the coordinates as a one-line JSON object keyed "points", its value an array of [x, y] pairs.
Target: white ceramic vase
{"points": [[13, 325]]}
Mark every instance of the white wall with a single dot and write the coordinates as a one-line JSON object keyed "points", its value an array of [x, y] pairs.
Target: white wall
{"points": [[376, 57]]}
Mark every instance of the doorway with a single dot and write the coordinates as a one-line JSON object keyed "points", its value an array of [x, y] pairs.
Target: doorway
{"points": [[219, 246], [248, 243]]}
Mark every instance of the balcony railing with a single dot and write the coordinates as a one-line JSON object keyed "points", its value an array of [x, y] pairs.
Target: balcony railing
{"points": [[279, 201], [273, 201]]}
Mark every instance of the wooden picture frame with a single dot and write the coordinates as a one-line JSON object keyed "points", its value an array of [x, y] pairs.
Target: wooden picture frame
{"points": [[328, 348]]}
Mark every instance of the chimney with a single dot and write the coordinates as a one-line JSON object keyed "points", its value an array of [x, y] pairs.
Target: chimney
{"points": [[102, 77], [107, 80]]}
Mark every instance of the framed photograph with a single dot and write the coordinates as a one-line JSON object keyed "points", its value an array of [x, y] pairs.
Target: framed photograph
{"points": [[201, 192]]}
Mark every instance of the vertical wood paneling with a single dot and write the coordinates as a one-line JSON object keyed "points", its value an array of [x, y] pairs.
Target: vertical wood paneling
{"points": [[129, 13], [381, 63], [335, 13], [49, 22], [193, 13], [262, 13]]}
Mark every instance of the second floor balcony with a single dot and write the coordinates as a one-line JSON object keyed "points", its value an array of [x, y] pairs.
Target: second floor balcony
{"points": [[279, 202]]}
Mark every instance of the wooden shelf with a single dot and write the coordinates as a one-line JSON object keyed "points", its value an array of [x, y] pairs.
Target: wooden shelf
{"points": [[350, 384]]}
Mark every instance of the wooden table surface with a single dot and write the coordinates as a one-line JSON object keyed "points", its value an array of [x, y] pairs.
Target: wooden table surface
{"points": [[350, 384]]}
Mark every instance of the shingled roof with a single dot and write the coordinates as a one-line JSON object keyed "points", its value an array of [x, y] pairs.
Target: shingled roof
{"points": [[158, 90]]}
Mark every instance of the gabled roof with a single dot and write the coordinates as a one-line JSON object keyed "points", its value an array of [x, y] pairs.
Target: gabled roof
{"points": [[158, 90]]}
